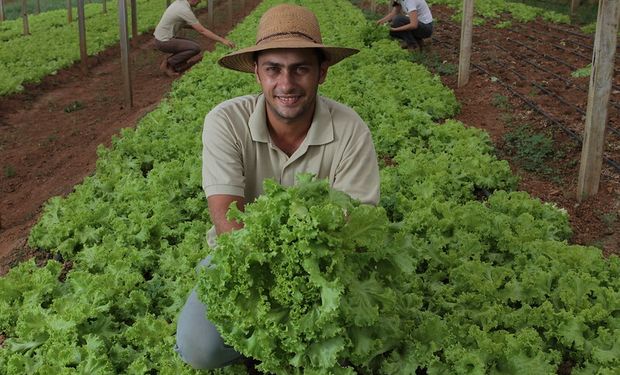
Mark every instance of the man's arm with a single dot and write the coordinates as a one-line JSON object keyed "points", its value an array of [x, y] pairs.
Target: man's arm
{"points": [[218, 207], [388, 17], [412, 25], [211, 35], [358, 171]]}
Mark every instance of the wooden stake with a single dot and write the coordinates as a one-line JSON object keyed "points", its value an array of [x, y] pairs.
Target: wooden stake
{"points": [[210, 18], [466, 35], [598, 97], [25, 17], [82, 32], [134, 21], [124, 43], [574, 4], [69, 12]]}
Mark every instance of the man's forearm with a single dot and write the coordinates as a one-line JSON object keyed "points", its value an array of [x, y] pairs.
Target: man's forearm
{"points": [[218, 208]]}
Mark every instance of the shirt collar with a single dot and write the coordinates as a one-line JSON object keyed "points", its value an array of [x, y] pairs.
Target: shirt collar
{"points": [[321, 130]]}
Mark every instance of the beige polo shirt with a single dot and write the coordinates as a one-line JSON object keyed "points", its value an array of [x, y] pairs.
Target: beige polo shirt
{"points": [[178, 14], [238, 153]]}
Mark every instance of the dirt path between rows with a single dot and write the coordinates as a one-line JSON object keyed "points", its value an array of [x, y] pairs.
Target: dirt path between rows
{"points": [[49, 134]]}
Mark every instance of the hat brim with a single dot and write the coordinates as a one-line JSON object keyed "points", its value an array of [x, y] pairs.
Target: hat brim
{"points": [[243, 60]]}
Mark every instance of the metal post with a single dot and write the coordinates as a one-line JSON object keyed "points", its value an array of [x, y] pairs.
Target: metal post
{"points": [[124, 43], [82, 31], [69, 12], [598, 98], [466, 31], [25, 17]]}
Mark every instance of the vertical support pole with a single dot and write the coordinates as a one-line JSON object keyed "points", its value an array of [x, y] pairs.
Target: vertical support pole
{"points": [[598, 97], [466, 35], [2, 10], [37, 7], [134, 21], [210, 18], [124, 43], [82, 32], [574, 4], [104, 7], [69, 12], [25, 18]]}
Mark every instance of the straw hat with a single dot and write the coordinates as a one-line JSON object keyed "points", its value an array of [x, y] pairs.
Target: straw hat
{"points": [[285, 26]]}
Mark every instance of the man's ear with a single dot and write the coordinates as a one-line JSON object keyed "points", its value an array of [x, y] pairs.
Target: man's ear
{"points": [[256, 72], [323, 71]]}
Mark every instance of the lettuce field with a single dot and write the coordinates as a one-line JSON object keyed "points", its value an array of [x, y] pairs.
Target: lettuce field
{"points": [[456, 271]]}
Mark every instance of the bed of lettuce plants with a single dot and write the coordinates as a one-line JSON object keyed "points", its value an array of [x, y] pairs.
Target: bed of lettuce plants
{"points": [[54, 44], [490, 9], [454, 272]]}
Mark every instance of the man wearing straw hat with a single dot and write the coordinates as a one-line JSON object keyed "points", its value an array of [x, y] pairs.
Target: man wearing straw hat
{"points": [[179, 14], [285, 130]]}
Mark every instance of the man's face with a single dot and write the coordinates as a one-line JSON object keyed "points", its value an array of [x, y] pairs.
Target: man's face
{"points": [[290, 79]]}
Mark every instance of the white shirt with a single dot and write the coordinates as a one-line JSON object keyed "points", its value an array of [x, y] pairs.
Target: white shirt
{"points": [[420, 6], [176, 15]]}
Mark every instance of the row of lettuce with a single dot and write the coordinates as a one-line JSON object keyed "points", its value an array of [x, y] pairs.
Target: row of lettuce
{"points": [[53, 43], [494, 9], [492, 285]]}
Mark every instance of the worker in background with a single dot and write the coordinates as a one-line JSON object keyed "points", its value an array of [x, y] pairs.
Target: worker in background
{"points": [[411, 21], [178, 15]]}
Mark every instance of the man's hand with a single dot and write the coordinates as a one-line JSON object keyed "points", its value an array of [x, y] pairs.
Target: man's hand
{"points": [[228, 43], [218, 207]]}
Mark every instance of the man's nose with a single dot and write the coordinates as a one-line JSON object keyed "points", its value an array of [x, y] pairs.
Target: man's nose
{"points": [[287, 78]]}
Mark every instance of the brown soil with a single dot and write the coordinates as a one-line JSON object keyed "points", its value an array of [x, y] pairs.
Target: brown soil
{"points": [[49, 134], [533, 62]]}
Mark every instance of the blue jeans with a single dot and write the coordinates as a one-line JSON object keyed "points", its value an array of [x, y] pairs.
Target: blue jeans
{"points": [[411, 37], [198, 342]]}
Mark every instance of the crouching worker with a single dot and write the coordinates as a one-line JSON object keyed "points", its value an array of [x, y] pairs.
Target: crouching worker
{"points": [[411, 21], [285, 130], [178, 15]]}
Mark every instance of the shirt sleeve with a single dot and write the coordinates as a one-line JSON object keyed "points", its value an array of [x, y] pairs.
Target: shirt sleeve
{"points": [[222, 165], [358, 171], [189, 17]]}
